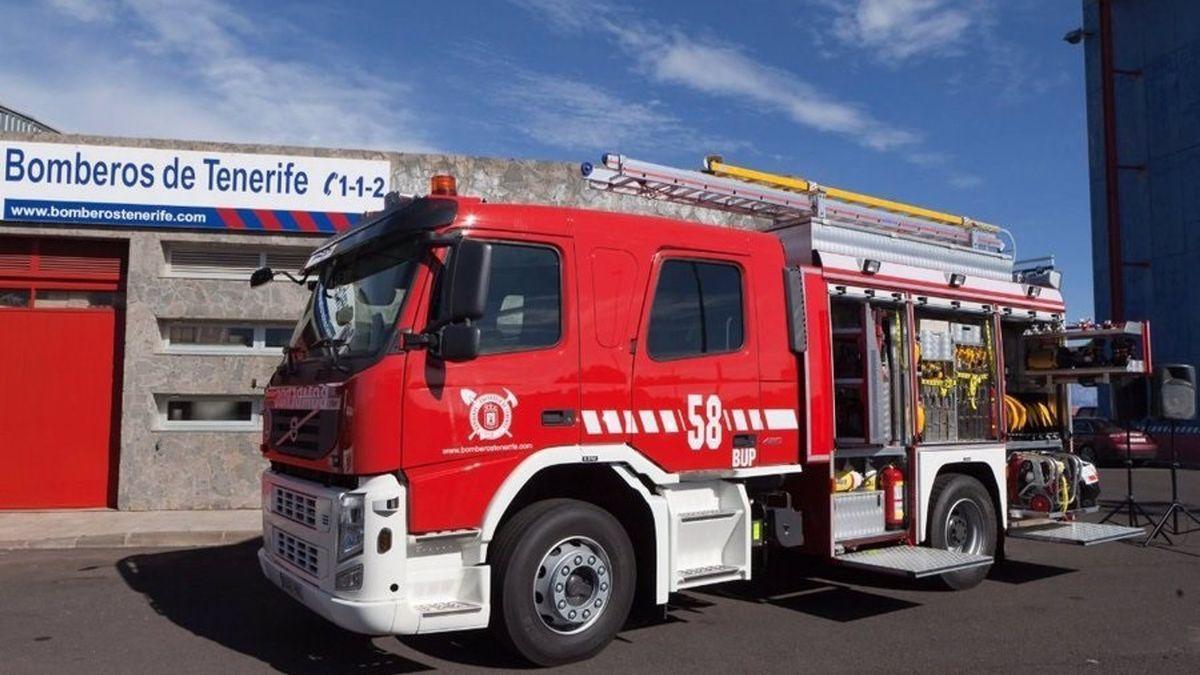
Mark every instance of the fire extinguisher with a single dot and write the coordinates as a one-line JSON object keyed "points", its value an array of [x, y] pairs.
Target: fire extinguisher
{"points": [[892, 481]]}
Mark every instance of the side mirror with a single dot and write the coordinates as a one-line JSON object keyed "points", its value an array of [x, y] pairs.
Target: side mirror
{"points": [[458, 342], [466, 281], [261, 276]]}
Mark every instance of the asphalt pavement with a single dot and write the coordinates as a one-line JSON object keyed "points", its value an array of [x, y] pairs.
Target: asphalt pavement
{"points": [[1048, 608]]}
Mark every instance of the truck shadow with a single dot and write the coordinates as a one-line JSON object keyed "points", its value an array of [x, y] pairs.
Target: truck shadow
{"points": [[219, 594], [817, 590], [836, 593]]}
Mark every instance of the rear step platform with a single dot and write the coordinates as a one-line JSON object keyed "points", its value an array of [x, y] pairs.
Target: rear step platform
{"points": [[912, 561], [1084, 534]]}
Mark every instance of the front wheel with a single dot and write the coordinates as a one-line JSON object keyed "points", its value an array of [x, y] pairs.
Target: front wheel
{"points": [[963, 520], [563, 581]]}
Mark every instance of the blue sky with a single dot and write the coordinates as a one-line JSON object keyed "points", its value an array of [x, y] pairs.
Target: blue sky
{"points": [[952, 104]]}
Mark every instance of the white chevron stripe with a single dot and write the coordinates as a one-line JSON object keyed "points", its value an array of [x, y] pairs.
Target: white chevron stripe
{"points": [[630, 425], [668, 421], [779, 419], [649, 422], [739, 420], [725, 414], [756, 422], [612, 421], [591, 421]]}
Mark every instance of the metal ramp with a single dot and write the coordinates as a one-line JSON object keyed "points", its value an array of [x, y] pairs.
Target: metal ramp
{"points": [[1083, 534], [914, 562]]}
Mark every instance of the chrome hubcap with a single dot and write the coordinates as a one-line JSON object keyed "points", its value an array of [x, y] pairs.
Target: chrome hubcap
{"points": [[964, 527], [572, 585]]}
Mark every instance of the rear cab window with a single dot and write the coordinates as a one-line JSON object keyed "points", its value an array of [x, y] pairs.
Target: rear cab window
{"points": [[697, 310]]}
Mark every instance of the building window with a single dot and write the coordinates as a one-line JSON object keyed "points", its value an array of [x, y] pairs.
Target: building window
{"points": [[222, 261], [524, 308], [209, 413], [697, 310], [220, 338]]}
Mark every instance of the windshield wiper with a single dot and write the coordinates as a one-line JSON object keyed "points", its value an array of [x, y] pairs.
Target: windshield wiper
{"points": [[332, 344]]}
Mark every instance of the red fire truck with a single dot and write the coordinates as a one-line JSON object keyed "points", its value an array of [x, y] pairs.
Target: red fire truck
{"points": [[529, 417]]}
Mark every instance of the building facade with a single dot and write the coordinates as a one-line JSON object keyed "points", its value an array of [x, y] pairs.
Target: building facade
{"points": [[1143, 98], [135, 350]]}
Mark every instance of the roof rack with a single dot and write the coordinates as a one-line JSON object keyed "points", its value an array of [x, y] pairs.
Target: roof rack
{"points": [[786, 200]]}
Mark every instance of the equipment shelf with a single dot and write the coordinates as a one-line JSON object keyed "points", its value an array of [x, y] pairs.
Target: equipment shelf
{"points": [[855, 452]]}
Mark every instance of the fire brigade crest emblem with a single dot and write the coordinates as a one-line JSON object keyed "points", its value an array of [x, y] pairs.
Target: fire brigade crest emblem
{"points": [[490, 414]]}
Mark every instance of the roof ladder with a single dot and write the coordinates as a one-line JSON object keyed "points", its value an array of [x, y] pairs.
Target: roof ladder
{"points": [[788, 199]]}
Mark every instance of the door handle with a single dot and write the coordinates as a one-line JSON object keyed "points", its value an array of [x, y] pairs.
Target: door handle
{"points": [[558, 418], [743, 440]]}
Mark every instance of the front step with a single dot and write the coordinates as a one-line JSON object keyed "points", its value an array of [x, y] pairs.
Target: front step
{"points": [[709, 530], [447, 607], [714, 514], [1083, 534], [914, 562], [710, 574]]}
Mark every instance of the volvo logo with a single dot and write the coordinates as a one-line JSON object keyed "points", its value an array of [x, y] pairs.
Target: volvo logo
{"points": [[294, 425]]}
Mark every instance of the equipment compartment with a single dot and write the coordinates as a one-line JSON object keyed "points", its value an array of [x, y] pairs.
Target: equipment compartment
{"points": [[869, 499], [1036, 410], [1085, 352], [956, 370]]}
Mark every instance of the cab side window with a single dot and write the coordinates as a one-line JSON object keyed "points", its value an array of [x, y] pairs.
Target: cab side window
{"points": [[697, 310], [524, 305]]}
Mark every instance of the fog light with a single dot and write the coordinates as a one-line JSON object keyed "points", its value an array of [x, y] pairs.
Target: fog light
{"points": [[383, 543], [349, 579]]}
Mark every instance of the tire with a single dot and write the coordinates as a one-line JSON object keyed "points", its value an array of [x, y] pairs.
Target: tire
{"points": [[963, 519], [530, 611], [1088, 454]]}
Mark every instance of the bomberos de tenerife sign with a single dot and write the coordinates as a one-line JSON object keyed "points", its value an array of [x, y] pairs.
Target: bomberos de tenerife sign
{"points": [[192, 189]]}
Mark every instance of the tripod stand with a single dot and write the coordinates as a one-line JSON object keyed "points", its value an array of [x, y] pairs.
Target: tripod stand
{"points": [[1176, 507], [1129, 504]]}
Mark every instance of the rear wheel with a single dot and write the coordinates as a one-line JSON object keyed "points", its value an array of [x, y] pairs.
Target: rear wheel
{"points": [[963, 520], [563, 581]]}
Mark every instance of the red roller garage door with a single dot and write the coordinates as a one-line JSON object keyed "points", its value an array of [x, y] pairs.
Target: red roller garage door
{"points": [[60, 354]]}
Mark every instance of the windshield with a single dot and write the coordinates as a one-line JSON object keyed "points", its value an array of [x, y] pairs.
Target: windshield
{"points": [[355, 304]]}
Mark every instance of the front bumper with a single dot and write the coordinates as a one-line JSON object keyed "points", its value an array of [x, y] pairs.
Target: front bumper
{"points": [[420, 585], [370, 618]]}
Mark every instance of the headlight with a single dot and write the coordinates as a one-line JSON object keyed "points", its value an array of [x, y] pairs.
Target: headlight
{"points": [[350, 526]]}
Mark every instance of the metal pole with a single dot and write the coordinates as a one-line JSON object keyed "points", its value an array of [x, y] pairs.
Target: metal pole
{"points": [[1116, 272]]}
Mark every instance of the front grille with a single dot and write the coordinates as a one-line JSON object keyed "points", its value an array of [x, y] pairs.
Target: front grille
{"points": [[301, 433], [295, 506], [301, 554]]}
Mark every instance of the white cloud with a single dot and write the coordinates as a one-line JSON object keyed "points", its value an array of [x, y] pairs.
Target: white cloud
{"points": [[730, 73], [191, 69], [86, 10], [895, 31], [965, 181], [668, 54], [573, 115]]}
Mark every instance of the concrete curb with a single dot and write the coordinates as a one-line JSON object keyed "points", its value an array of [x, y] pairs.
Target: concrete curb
{"points": [[180, 539]]}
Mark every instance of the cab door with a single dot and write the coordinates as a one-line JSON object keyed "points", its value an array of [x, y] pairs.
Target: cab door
{"points": [[696, 402], [521, 393]]}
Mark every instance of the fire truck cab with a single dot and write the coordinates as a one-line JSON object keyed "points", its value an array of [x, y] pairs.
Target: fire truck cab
{"points": [[530, 417]]}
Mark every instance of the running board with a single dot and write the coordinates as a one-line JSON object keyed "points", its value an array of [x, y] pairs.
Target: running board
{"points": [[914, 562], [1083, 534]]}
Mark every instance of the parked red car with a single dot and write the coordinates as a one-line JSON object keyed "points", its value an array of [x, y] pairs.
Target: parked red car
{"points": [[1102, 442]]}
